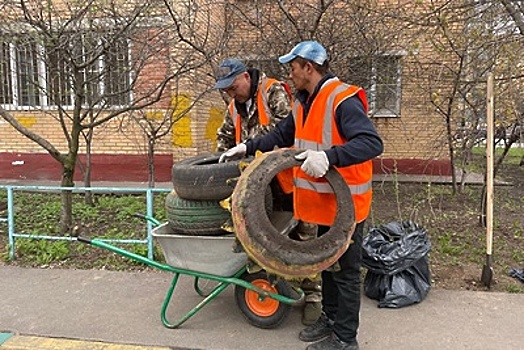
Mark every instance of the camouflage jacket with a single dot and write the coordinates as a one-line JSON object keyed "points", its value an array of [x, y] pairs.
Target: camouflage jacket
{"points": [[278, 103]]}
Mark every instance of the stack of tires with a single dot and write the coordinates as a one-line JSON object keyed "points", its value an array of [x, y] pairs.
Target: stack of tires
{"points": [[200, 183], [193, 208]]}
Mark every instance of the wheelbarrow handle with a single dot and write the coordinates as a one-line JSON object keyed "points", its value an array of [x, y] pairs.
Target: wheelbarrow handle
{"points": [[151, 219], [83, 239]]}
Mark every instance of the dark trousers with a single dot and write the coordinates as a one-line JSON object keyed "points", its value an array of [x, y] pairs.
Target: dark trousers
{"points": [[341, 289]]}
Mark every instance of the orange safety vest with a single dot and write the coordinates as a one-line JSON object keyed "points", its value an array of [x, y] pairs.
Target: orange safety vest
{"points": [[285, 177], [314, 200], [262, 106]]}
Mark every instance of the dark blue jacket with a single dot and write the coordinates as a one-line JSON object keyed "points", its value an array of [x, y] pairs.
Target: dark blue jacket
{"points": [[363, 142]]}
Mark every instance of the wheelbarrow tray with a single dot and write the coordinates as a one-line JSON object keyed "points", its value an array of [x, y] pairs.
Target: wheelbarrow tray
{"points": [[208, 258], [206, 254]]}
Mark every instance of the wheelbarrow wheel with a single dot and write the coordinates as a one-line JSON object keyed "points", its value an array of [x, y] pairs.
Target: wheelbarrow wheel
{"points": [[263, 312]]}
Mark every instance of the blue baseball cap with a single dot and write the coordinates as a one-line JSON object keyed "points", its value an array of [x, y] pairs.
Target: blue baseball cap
{"points": [[228, 71], [310, 50]]}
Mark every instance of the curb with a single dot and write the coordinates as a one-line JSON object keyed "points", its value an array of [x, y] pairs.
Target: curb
{"points": [[9, 341]]}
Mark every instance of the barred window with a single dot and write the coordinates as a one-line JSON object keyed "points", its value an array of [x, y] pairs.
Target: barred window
{"points": [[6, 88], [380, 76], [34, 75], [58, 78], [27, 82], [116, 79]]}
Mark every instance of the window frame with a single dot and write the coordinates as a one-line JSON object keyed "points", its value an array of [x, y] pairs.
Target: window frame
{"points": [[368, 76], [42, 71]]}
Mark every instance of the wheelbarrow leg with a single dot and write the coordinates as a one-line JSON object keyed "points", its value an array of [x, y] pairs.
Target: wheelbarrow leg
{"points": [[216, 291]]}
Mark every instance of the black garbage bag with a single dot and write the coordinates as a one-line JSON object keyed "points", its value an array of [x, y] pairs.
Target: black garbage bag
{"points": [[517, 273], [395, 255]]}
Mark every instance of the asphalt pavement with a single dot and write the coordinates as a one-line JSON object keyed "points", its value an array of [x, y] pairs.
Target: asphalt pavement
{"points": [[50, 309], [99, 309]]}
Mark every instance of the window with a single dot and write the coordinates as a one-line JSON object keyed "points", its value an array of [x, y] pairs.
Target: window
{"points": [[58, 78], [33, 75], [27, 82], [116, 79], [380, 76], [6, 89]]}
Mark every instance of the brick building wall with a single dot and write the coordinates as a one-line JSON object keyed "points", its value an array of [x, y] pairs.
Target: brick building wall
{"points": [[414, 141], [121, 143]]}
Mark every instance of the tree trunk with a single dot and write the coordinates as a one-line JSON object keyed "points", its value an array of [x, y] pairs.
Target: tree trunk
{"points": [[151, 162], [87, 171], [66, 215]]}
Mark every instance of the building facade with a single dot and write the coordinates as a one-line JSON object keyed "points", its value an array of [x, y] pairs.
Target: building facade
{"points": [[40, 94]]}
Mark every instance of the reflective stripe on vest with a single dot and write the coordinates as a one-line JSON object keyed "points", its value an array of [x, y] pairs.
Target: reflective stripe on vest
{"points": [[321, 134], [325, 187]]}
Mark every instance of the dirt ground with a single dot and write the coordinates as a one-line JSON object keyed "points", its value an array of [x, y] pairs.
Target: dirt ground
{"points": [[458, 240], [452, 223]]}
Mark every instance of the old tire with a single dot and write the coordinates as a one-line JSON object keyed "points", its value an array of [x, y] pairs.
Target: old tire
{"points": [[263, 312], [277, 253], [203, 178], [194, 217]]}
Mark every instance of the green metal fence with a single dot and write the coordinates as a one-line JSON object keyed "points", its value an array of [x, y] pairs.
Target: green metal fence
{"points": [[13, 235]]}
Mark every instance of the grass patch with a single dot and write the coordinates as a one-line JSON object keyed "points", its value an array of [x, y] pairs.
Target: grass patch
{"points": [[513, 157], [513, 288], [111, 217]]}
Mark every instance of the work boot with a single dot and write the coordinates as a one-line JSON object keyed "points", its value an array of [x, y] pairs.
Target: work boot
{"points": [[311, 313], [318, 330], [333, 343]]}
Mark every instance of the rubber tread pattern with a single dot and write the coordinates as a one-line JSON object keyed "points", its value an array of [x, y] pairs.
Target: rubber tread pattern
{"points": [[279, 254], [194, 217], [203, 178]]}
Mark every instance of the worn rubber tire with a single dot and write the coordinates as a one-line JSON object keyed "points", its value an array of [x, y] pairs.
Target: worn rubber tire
{"points": [[203, 178], [277, 253], [264, 313], [194, 217]]}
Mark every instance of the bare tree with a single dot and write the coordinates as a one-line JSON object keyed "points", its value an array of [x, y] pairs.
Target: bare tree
{"points": [[515, 9], [348, 30], [156, 124], [83, 65]]}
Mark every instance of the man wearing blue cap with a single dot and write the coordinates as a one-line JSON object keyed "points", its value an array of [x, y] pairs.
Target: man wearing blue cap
{"points": [[330, 122]]}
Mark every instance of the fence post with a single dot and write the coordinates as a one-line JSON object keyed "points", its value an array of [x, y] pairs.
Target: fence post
{"points": [[11, 222], [149, 212]]}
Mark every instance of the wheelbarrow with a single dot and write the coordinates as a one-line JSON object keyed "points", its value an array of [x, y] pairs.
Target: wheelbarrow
{"points": [[264, 301]]}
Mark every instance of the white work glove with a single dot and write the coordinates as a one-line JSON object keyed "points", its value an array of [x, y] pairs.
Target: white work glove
{"points": [[235, 153], [316, 163]]}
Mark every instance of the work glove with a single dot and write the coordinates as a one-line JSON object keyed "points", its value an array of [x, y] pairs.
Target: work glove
{"points": [[316, 163], [235, 153]]}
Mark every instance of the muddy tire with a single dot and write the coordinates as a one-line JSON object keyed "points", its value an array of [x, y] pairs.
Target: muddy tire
{"points": [[277, 253], [261, 312], [194, 217], [203, 178]]}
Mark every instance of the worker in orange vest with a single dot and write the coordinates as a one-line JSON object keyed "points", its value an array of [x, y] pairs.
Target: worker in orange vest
{"points": [[330, 122], [257, 104]]}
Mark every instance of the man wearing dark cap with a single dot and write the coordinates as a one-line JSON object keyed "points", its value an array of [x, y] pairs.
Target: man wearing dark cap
{"points": [[257, 104], [330, 122]]}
